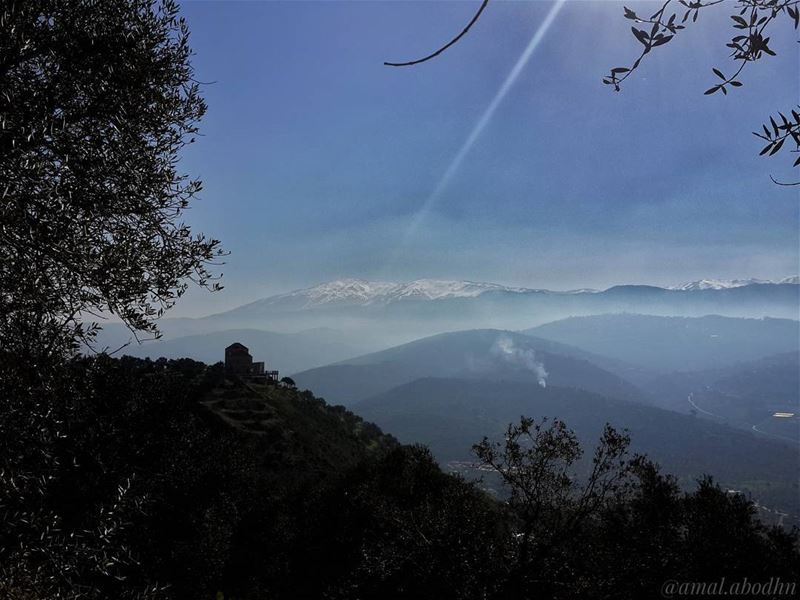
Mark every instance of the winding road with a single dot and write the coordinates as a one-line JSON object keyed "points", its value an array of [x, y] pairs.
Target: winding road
{"points": [[690, 399]]}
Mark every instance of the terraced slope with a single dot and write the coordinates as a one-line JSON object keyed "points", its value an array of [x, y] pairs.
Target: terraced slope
{"points": [[296, 425]]}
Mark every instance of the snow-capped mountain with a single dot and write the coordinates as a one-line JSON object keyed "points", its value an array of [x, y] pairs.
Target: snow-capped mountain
{"points": [[726, 284], [466, 303], [350, 291], [363, 292], [437, 289], [372, 313]]}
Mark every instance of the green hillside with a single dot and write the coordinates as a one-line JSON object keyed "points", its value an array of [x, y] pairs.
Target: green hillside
{"points": [[214, 485], [475, 354], [200, 487], [747, 394], [448, 415], [297, 424]]}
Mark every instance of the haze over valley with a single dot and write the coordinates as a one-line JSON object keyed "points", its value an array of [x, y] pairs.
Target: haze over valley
{"points": [[344, 318], [696, 372]]}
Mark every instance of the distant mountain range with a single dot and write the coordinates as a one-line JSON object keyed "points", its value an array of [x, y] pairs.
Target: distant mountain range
{"points": [[348, 317], [669, 344], [725, 284], [399, 312], [449, 390], [599, 354], [360, 292]]}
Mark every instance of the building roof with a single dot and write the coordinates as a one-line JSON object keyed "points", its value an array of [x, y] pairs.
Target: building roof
{"points": [[237, 346]]}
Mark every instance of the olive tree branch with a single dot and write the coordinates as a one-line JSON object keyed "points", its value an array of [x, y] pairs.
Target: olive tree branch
{"points": [[753, 18]]}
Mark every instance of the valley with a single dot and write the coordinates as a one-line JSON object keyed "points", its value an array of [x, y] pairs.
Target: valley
{"points": [[697, 394]]}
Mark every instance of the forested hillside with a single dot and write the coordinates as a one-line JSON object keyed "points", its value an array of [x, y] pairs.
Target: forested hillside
{"points": [[449, 414], [478, 354], [195, 485]]}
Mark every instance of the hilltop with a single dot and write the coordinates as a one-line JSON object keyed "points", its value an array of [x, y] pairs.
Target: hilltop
{"points": [[302, 426], [477, 354], [218, 485]]}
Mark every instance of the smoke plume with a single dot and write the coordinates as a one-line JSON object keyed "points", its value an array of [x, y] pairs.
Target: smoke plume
{"points": [[523, 357]]}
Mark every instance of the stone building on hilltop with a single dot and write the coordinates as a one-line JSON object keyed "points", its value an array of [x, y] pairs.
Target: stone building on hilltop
{"points": [[239, 363], [238, 360]]}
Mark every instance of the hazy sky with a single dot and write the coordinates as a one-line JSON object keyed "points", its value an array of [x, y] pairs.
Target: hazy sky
{"points": [[320, 163]]}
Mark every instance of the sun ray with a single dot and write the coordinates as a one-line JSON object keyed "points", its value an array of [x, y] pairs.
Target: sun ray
{"points": [[480, 125]]}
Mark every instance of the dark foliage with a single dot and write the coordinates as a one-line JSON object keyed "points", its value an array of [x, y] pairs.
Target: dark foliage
{"points": [[96, 101], [149, 491], [625, 529]]}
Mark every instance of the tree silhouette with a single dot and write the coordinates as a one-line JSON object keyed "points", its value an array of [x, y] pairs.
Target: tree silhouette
{"points": [[98, 99], [537, 463], [749, 44]]}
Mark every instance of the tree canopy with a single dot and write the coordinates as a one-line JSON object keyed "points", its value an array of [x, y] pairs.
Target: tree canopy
{"points": [[97, 99]]}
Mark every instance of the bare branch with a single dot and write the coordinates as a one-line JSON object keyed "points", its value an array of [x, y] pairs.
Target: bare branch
{"points": [[776, 182], [446, 46]]}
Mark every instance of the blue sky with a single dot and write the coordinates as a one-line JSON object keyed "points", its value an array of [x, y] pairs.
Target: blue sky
{"points": [[317, 159]]}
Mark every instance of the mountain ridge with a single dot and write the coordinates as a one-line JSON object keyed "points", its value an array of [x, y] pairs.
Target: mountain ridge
{"points": [[472, 354], [726, 284], [364, 292], [673, 343]]}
